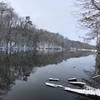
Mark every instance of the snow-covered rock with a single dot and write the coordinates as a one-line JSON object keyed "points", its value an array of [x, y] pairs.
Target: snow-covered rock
{"points": [[72, 79], [54, 79], [53, 85], [80, 84]]}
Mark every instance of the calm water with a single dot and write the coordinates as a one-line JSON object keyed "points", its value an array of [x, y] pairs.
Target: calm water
{"points": [[22, 76]]}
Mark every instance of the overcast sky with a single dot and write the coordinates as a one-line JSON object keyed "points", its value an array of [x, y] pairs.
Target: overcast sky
{"points": [[52, 15]]}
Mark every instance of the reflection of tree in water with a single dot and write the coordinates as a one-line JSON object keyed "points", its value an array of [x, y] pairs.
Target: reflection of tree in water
{"points": [[97, 71], [95, 82], [13, 67], [98, 64], [19, 66], [84, 98]]}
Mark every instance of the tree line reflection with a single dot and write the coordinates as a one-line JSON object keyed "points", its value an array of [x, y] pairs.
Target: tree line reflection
{"points": [[20, 66]]}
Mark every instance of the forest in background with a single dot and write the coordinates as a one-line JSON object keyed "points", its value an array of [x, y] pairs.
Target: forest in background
{"points": [[20, 34]]}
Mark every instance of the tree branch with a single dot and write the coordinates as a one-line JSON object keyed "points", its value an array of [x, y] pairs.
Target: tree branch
{"points": [[95, 5]]}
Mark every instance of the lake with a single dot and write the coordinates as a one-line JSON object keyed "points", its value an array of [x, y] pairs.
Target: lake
{"points": [[23, 76]]}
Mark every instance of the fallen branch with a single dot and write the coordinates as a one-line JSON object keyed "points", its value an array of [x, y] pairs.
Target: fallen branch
{"points": [[97, 76]]}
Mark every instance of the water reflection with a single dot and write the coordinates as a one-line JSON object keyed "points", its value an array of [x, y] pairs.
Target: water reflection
{"points": [[19, 66], [97, 65], [96, 81]]}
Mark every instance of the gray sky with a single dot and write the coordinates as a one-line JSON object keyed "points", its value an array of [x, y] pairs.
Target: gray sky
{"points": [[52, 15]]}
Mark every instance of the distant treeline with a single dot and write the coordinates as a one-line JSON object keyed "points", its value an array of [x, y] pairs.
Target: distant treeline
{"points": [[20, 34]]}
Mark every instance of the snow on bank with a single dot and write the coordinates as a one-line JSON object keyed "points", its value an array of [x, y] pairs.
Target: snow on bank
{"points": [[87, 91]]}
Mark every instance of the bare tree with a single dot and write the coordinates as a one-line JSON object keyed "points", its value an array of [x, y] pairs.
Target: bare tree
{"points": [[91, 19], [96, 4]]}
